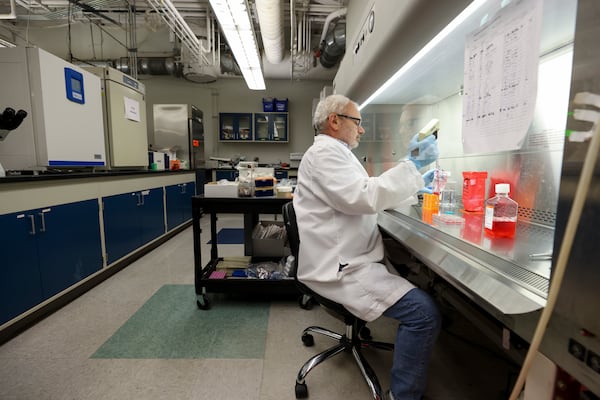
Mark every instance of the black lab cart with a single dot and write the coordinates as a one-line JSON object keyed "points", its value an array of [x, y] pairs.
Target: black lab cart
{"points": [[251, 208]]}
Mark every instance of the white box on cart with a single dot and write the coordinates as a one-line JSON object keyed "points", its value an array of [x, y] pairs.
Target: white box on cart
{"points": [[214, 189]]}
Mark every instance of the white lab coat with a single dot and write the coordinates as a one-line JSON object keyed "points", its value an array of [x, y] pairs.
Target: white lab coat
{"points": [[341, 249]]}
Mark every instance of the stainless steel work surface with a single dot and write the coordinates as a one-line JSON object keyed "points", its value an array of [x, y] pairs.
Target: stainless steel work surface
{"points": [[499, 274]]}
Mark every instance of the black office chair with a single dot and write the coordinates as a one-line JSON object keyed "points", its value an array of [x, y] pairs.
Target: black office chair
{"points": [[356, 338]]}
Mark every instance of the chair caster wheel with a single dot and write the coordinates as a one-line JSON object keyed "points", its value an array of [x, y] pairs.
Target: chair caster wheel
{"points": [[301, 391], [308, 340], [203, 302], [306, 302]]}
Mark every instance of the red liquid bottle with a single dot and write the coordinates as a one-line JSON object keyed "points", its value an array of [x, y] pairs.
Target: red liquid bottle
{"points": [[501, 213]]}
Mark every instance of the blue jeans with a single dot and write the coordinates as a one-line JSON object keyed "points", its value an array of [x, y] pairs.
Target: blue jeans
{"points": [[419, 325]]}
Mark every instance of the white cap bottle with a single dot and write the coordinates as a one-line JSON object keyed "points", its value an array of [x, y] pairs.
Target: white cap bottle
{"points": [[501, 213]]}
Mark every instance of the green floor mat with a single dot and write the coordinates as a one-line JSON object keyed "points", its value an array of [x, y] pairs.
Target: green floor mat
{"points": [[170, 325]]}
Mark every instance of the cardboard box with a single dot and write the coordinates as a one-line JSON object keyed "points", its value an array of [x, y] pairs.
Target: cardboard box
{"points": [[269, 247], [212, 189]]}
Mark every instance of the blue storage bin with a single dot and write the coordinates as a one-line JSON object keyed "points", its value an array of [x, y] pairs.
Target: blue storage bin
{"points": [[268, 104], [281, 105]]}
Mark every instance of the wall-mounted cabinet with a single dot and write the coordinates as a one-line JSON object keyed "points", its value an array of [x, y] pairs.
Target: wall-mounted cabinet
{"points": [[271, 127], [235, 127], [264, 127]]}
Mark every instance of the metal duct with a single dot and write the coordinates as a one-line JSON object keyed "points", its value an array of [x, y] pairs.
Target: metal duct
{"points": [[200, 73], [334, 15], [334, 45], [270, 19], [151, 66], [228, 64]]}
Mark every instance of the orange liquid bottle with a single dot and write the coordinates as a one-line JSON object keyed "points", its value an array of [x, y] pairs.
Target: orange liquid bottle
{"points": [[501, 213]]}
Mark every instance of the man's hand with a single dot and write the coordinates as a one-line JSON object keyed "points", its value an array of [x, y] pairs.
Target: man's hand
{"points": [[424, 152]]}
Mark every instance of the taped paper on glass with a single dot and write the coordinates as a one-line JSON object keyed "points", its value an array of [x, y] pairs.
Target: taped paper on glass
{"points": [[500, 78]]}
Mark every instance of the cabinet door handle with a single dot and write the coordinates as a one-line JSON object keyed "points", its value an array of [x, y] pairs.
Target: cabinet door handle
{"points": [[32, 220], [183, 188], [140, 199], [43, 220]]}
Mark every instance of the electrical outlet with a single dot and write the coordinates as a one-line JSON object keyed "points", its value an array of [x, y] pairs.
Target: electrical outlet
{"points": [[577, 349], [593, 361]]}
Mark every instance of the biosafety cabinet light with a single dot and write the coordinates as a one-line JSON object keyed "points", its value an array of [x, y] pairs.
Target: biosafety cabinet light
{"points": [[466, 13], [234, 18]]}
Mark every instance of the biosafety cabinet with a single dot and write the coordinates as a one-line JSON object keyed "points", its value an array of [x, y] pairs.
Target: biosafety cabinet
{"points": [[514, 86], [64, 126]]}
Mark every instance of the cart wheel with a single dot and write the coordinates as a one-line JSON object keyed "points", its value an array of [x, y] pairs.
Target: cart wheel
{"points": [[203, 302], [308, 339], [365, 333], [306, 302], [301, 391]]}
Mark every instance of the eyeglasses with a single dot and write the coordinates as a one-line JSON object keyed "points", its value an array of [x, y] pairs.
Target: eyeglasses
{"points": [[357, 120]]}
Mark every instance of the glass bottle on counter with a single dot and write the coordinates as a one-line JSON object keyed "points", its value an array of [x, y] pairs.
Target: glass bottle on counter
{"points": [[501, 213], [448, 198]]}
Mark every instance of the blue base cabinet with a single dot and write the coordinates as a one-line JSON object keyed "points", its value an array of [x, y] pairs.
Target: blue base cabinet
{"points": [[179, 203], [77, 224], [34, 263], [152, 217], [20, 281], [132, 220]]}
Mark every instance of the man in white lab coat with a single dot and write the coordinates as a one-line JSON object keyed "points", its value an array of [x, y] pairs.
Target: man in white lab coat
{"points": [[341, 249]]}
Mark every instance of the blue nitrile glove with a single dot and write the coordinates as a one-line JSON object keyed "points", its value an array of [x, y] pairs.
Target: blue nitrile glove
{"points": [[428, 179], [423, 152]]}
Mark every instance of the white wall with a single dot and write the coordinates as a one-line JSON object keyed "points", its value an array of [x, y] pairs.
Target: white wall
{"points": [[232, 95]]}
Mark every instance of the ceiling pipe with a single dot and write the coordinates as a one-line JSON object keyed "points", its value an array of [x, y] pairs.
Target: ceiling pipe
{"points": [[336, 14], [334, 45], [292, 33], [270, 19]]}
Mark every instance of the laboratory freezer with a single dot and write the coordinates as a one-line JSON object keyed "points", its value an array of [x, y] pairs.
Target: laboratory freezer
{"points": [[64, 127]]}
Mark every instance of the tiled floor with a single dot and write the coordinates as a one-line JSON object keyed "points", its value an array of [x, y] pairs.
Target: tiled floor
{"points": [[52, 359]]}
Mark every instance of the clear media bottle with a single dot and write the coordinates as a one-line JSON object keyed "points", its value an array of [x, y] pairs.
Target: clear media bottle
{"points": [[501, 213]]}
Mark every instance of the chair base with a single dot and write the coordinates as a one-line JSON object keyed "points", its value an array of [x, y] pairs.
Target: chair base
{"points": [[350, 343]]}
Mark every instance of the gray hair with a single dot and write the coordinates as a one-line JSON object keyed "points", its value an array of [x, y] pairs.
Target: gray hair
{"points": [[335, 103]]}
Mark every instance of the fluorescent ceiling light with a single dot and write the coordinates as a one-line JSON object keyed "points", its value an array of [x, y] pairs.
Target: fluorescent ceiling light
{"points": [[234, 18], [8, 11], [466, 13]]}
